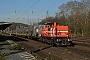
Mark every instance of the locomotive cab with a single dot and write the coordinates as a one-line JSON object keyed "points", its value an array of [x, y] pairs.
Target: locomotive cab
{"points": [[55, 34]]}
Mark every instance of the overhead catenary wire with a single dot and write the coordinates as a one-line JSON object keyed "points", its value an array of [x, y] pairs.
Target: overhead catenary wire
{"points": [[47, 11], [24, 6], [34, 5], [45, 15], [16, 17], [30, 7]]}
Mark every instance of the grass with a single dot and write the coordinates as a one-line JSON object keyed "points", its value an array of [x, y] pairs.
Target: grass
{"points": [[15, 47], [2, 56]]}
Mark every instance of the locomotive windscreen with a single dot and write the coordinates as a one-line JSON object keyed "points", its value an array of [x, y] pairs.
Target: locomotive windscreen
{"points": [[50, 23]]}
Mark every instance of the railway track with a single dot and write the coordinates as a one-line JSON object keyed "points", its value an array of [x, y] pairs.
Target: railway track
{"points": [[82, 41], [81, 50], [84, 44], [33, 50]]}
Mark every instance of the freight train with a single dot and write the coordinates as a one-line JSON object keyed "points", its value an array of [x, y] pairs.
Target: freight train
{"points": [[51, 33], [55, 34]]}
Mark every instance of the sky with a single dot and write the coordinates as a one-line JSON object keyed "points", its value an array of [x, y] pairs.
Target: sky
{"points": [[26, 11]]}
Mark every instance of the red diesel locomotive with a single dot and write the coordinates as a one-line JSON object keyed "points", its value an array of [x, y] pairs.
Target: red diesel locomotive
{"points": [[55, 34]]}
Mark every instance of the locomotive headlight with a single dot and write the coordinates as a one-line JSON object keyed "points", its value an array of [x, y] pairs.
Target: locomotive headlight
{"points": [[69, 39], [58, 40]]}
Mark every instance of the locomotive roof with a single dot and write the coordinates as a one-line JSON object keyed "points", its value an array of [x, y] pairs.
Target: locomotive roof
{"points": [[49, 23]]}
